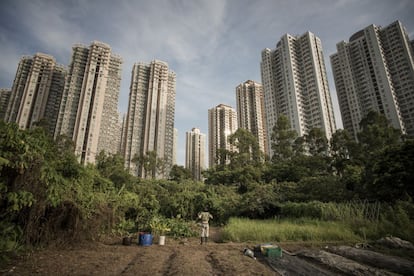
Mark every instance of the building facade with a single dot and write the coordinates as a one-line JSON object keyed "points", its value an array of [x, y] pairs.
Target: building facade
{"points": [[222, 122], [36, 92], [250, 111], [4, 100], [175, 146], [195, 153], [150, 118], [375, 71], [295, 84], [89, 107]]}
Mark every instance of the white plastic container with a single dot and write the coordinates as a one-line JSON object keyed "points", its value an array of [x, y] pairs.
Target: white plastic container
{"points": [[161, 241]]}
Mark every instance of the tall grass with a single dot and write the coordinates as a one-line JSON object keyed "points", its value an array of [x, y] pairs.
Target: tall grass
{"points": [[369, 220], [349, 212], [243, 230], [319, 221]]}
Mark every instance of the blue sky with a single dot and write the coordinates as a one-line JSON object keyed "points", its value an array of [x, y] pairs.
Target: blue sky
{"points": [[212, 45]]}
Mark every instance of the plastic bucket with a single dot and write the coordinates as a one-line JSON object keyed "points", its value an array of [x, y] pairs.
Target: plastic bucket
{"points": [[161, 241], [145, 239], [126, 241], [139, 237]]}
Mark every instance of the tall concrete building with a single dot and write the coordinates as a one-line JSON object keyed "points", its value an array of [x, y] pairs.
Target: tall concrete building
{"points": [[175, 145], [250, 111], [19, 84], [89, 107], [375, 71], [222, 122], [295, 84], [4, 100], [36, 92], [195, 153], [150, 118]]}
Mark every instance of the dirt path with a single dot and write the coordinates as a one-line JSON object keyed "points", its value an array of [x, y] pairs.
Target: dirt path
{"points": [[174, 258], [188, 257]]}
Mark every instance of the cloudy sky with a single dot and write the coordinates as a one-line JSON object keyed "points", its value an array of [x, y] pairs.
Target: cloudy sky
{"points": [[212, 45]]}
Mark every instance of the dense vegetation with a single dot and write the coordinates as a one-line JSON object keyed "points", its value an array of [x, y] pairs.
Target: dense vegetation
{"points": [[47, 196]]}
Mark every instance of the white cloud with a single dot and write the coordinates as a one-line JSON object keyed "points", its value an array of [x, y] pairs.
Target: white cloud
{"points": [[211, 45]]}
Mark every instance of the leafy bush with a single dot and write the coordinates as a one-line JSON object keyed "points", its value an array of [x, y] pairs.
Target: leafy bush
{"points": [[125, 227], [11, 235], [180, 228]]}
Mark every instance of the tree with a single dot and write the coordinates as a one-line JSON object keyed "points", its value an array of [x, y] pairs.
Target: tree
{"points": [[299, 146], [316, 142], [149, 164], [343, 148], [260, 201], [245, 161], [375, 137], [376, 134], [393, 174], [282, 139], [179, 173], [248, 149], [112, 167]]}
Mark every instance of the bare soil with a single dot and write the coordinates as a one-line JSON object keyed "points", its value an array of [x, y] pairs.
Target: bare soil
{"points": [[176, 257]]}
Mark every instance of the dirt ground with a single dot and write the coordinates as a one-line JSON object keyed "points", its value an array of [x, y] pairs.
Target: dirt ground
{"points": [[176, 257], [187, 257]]}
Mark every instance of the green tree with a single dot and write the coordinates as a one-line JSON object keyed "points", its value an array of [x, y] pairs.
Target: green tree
{"points": [[112, 166], [325, 188], [376, 134], [244, 165], [179, 173], [260, 201], [149, 164], [299, 146], [248, 150], [343, 148], [282, 139], [316, 142], [393, 174], [375, 137]]}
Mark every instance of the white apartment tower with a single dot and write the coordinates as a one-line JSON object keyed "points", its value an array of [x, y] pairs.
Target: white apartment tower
{"points": [[175, 145], [222, 122], [195, 153], [89, 107], [375, 71], [295, 84], [250, 111], [150, 118], [36, 92], [4, 100]]}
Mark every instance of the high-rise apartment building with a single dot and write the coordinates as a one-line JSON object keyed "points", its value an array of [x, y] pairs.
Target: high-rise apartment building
{"points": [[195, 153], [4, 100], [375, 71], [89, 107], [19, 84], [250, 111], [150, 118], [175, 145], [222, 122], [36, 92], [295, 84]]}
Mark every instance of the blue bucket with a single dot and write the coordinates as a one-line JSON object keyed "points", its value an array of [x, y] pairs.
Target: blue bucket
{"points": [[145, 239]]}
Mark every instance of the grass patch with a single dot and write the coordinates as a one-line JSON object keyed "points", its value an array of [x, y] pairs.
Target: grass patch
{"points": [[247, 230]]}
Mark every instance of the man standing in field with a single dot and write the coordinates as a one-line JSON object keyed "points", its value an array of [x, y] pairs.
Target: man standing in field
{"points": [[204, 216]]}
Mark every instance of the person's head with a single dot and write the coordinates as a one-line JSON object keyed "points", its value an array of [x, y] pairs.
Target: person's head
{"points": [[205, 208]]}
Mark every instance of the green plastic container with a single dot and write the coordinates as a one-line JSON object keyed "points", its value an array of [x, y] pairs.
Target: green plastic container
{"points": [[274, 252]]}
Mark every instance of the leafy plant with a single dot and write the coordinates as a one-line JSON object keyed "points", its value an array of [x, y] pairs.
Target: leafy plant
{"points": [[159, 226]]}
